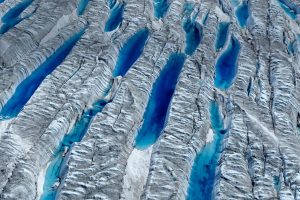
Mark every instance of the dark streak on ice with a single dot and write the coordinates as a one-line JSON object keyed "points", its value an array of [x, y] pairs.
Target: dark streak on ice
{"points": [[249, 88], [155, 116]]}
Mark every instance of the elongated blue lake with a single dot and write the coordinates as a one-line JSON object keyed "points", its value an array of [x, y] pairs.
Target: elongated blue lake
{"points": [[242, 13], [161, 7], [11, 18], [193, 35], [158, 105], [226, 66], [28, 86], [82, 6], [115, 18], [222, 35], [57, 168], [130, 52], [203, 172]]}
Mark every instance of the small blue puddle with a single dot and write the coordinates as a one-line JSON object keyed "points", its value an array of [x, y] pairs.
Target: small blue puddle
{"points": [[277, 183], [58, 167], [11, 18], [222, 35], [292, 47], [158, 104], [115, 18], [28, 86], [161, 7], [289, 8], [203, 173], [226, 66], [193, 35], [242, 13], [82, 6], [130, 52]]}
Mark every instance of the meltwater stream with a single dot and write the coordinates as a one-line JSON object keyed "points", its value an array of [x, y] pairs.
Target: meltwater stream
{"points": [[289, 8], [242, 13], [58, 166], [130, 52], [82, 6], [27, 87], [226, 66], [115, 17], [158, 105], [193, 34], [11, 18], [222, 35], [161, 7], [203, 172]]}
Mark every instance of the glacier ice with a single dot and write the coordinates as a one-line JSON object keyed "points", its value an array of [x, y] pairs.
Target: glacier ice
{"points": [[114, 117]]}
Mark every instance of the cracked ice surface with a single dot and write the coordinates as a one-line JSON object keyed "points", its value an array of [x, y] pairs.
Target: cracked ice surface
{"points": [[258, 158]]}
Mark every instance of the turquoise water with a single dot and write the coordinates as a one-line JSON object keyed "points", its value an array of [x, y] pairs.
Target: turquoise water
{"points": [[57, 168], [203, 172], [161, 7], [222, 35], [242, 13], [226, 66], [292, 47], [130, 52], [28, 86], [11, 18], [82, 6], [234, 3], [161, 95], [115, 18], [277, 183], [193, 35], [289, 8], [111, 3]]}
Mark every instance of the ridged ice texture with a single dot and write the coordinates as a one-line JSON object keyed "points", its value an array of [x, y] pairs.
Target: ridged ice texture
{"points": [[28, 86], [12, 16], [256, 89]]}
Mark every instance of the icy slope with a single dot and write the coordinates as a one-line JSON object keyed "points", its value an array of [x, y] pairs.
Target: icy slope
{"points": [[157, 99]]}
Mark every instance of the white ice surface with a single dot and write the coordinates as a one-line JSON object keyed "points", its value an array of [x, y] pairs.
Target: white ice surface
{"points": [[3, 126], [40, 182], [137, 170], [62, 22]]}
